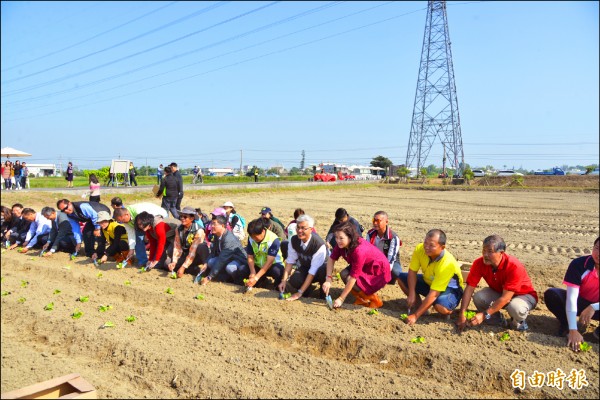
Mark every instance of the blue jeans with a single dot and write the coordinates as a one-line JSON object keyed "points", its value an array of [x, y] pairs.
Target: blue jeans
{"points": [[449, 298], [140, 247], [233, 271], [170, 204], [396, 271], [275, 272]]}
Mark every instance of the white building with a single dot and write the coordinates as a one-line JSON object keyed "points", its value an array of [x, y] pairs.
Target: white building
{"points": [[39, 170]]}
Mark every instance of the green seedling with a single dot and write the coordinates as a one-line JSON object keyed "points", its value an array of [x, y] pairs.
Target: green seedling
{"points": [[173, 275], [56, 291], [83, 299], [127, 283], [24, 283], [22, 299], [67, 267], [403, 317], [585, 346], [504, 337], [338, 276], [287, 295], [32, 258], [131, 318], [5, 293], [141, 270], [119, 265], [469, 315], [199, 297], [102, 308], [99, 275], [169, 291], [49, 307], [108, 324], [72, 257], [77, 314], [373, 312], [418, 339]]}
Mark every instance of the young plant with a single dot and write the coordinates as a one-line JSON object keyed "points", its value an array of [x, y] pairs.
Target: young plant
{"points": [[131, 318], [99, 275], [49, 307], [102, 308], [83, 299], [169, 291], [67, 267], [108, 324], [56, 291], [504, 337], [32, 258], [77, 314], [72, 257], [469, 315], [403, 317], [199, 297], [338, 276], [142, 270], [22, 299], [173, 275], [418, 339], [127, 283], [585, 346], [119, 265], [287, 295], [5, 293], [373, 312]]}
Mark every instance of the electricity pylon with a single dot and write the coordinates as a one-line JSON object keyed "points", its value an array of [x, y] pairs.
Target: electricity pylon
{"points": [[435, 113]]}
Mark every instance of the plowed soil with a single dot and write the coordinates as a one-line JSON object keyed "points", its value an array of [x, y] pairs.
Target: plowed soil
{"points": [[253, 345]]}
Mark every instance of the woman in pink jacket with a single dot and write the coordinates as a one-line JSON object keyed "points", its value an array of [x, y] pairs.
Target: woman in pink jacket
{"points": [[369, 269]]}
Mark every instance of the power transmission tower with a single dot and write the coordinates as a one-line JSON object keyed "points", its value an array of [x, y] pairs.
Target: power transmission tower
{"points": [[435, 112]]}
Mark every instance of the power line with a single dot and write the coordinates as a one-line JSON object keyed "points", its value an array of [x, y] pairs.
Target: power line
{"points": [[80, 43], [37, 86]]}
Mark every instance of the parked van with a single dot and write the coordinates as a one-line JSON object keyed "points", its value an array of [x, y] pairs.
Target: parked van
{"points": [[478, 173], [509, 172]]}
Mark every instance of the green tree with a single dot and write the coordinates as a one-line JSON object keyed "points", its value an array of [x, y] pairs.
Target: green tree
{"points": [[382, 162], [468, 175], [403, 172], [295, 171]]}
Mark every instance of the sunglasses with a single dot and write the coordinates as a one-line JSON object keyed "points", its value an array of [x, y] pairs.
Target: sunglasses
{"points": [[64, 208], [185, 216]]}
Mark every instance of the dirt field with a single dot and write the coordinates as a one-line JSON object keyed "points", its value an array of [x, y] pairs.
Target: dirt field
{"points": [[255, 346]]}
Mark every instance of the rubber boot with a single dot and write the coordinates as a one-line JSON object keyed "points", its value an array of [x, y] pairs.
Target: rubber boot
{"points": [[374, 300], [121, 255], [360, 299]]}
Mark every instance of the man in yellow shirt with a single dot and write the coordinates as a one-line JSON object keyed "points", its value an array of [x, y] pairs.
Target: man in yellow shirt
{"points": [[441, 281]]}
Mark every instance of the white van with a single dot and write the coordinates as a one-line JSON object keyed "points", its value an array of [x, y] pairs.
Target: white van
{"points": [[509, 172], [478, 173]]}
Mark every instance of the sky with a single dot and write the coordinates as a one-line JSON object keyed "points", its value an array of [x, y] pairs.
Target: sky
{"points": [[219, 84]]}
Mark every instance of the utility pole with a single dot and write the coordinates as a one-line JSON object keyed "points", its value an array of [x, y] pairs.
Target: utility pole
{"points": [[241, 157], [444, 160], [435, 112]]}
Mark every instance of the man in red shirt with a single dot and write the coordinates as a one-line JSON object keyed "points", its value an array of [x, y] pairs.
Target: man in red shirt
{"points": [[509, 287]]}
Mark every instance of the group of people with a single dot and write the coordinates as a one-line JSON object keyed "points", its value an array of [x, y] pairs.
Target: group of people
{"points": [[297, 259], [14, 176], [128, 177]]}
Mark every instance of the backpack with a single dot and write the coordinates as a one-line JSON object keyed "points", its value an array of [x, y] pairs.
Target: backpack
{"points": [[242, 219]]}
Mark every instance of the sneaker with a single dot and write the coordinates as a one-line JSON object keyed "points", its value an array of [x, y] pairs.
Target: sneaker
{"points": [[519, 326]]}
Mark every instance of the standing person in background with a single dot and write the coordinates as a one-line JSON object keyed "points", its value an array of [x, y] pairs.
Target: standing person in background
{"points": [[24, 175], [177, 175], [159, 174], [6, 172], [17, 175], [94, 188], [69, 175], [171, 187], [132, 174], [112, 178], [255, 174]]}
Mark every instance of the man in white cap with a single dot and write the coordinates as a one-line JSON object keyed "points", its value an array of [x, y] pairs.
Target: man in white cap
{"points": [[235, 222]]}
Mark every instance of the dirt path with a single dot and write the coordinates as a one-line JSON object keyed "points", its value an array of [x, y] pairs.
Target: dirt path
{"points": [[253, 345]]}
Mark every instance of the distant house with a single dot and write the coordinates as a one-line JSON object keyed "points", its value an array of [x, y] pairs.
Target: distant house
{"points": [[39, 170], [217, 171]]}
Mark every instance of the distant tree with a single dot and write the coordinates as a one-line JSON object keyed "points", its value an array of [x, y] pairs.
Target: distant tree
{"points": [[468, 175], [432, 170], [403, 172], [303, 159], [381, 162], [423, 172], [295, 171], [589, 169]]}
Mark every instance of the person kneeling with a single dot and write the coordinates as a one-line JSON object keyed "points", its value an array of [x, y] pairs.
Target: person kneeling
{"points": [[190, 251], [369, 269], [115, 235], [264, 252]]}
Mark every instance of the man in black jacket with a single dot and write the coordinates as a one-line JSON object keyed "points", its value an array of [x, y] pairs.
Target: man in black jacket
{"points": [[61, 235], [169, 188], [87, 212], [177, 175]]}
